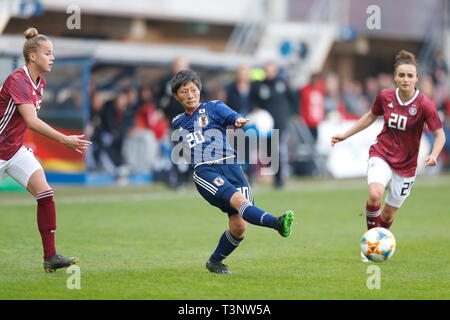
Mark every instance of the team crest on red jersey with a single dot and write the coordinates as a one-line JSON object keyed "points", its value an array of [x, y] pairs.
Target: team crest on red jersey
{"points": [[203, 120], [413, 110]]}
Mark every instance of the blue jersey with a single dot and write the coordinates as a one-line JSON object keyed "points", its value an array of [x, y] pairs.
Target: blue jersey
{"points": [[203, 132]]}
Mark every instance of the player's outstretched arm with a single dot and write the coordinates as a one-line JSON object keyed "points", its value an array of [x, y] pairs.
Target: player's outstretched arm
{"points": [[363, 122], [438, 144], [74, 142]]}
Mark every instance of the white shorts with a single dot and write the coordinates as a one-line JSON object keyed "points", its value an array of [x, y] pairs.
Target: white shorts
{"points": [[399, 187], [20, 167]]}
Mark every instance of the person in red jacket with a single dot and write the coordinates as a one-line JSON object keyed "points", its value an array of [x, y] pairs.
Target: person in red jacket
{"points": [[312, 104]]}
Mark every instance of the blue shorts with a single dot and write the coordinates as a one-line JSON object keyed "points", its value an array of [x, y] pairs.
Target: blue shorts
{"points": [[218, 182]]}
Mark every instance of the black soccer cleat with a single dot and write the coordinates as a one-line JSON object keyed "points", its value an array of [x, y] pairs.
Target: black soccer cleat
{"points": [[57, 261], [215, 266]]}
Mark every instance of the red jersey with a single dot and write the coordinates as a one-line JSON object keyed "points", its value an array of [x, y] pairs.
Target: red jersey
{"points": [[17, 89], [399, 141]]}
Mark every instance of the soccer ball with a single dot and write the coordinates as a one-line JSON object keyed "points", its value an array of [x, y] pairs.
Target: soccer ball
{"points": [[378, 244]]}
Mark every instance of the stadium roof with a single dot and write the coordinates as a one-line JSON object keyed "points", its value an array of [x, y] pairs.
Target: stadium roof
{"points": [[127, 52], [219, 12]]}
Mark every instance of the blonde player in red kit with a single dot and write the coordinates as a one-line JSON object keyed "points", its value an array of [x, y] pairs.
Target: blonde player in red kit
{"points": [[20, 101], [393, 156]]}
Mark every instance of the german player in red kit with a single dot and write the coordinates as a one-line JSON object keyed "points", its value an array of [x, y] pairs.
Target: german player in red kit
{"points": [[393, 156], [20, 101]]}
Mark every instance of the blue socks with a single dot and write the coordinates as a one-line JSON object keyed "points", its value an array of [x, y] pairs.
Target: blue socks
{"points": [[227, 244], [251, 214], [256, 216]]}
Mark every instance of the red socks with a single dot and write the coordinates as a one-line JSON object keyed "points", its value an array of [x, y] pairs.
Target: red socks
{"points": [[386, 225], [46, 219], [373, 216]]}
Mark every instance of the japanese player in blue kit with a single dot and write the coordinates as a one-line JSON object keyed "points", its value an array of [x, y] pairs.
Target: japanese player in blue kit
{"points": [[217, 175]]}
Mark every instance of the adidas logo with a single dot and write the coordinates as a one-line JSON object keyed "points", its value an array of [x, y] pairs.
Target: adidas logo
{"points": [[390, 105]]}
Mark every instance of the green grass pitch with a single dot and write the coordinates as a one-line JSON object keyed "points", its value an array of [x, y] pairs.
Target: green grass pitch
{"points": [[152, 243]]}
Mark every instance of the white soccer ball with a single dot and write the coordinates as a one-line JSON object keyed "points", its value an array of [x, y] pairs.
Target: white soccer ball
{"points": [[378, 244]]}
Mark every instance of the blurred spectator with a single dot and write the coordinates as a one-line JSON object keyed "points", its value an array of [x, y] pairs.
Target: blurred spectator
{"points": [[439, 68], [149, 117], [118, 120], [334, 105], [273, 94], [312, 104], [355, 102], [141, 145], [165, 101], [179, 175], [237, 97], [238, 92], [133, 98], [426, 85], [447, 131], [94, 132], [371, 89], [385, 81]]}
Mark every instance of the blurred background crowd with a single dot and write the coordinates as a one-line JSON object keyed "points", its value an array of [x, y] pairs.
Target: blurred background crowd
{"points": [[303, 67], [131, 131]]}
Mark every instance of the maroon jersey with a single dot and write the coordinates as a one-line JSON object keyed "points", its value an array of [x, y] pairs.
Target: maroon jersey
{"points": [[399, 141], [17, 89]]}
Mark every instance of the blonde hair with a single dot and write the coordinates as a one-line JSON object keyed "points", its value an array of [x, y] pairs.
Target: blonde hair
{"points": [[405, 57], [32, 43]]}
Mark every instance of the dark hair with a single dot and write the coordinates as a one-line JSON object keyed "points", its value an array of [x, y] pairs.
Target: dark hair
{"points": [[405, 57], [182, 77]]}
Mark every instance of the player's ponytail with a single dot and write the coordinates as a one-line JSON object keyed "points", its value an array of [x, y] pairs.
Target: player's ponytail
{"points": [[33, 38], [405, 57]]}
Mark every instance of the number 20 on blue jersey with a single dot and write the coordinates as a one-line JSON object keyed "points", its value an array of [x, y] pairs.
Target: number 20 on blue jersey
{"points": [[195, 138]]}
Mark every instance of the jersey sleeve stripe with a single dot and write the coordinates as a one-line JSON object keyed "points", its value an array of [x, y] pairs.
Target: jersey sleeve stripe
{"points": [[8, 115]]}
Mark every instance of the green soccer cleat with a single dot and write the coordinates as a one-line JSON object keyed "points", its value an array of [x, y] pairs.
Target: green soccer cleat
{"points": [[57, 261], [284, 224], [215, 266]]}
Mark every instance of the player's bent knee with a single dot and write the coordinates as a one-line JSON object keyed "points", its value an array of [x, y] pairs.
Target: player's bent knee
{"points": [[375, 198], [37, 183], [375, 195], [237, 200]]}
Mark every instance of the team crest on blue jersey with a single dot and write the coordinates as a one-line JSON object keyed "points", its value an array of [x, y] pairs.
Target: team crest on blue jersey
{"points": [[203, 120], [218, 181], [413, 110]]}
